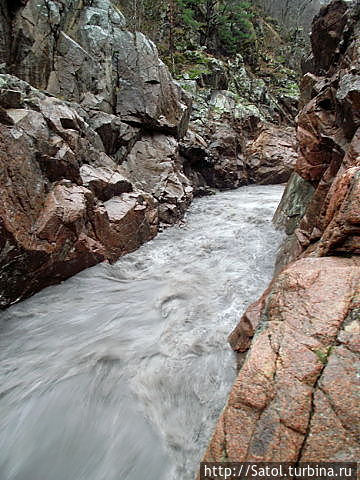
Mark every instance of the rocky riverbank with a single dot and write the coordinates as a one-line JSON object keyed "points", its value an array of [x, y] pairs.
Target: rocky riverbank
{"points": [[97, 152], [100, 147], [296, 395]]}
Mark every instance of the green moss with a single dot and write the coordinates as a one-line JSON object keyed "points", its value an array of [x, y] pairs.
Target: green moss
{"points": [[187, 88], [197, 56], [290, 89], [196, 72], [323, 355], [192, 64]]}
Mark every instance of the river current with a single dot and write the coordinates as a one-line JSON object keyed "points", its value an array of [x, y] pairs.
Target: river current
{"points": [[121, 372]]}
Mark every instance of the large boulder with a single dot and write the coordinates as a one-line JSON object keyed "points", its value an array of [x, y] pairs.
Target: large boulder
{"points": [[154, 166], [215, 160], [91, 164], [271, 157], [296, 396], [65, 204], [82, 52]]}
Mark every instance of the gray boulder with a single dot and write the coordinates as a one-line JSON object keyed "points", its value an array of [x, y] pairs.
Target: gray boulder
{"points": [[84, 54]]}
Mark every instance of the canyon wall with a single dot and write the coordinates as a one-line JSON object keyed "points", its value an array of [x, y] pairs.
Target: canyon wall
{"points": [[90, 120], [96, 151], [296, 394]]}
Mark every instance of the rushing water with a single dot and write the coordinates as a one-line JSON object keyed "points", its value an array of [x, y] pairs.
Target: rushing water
{"points": [[120, 372]]}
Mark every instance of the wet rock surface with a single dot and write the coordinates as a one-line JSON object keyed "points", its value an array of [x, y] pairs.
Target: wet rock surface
{"points": [[296, 394], [271, 157], [286, 403], [96, 152], [328, 137], [124, 368], [237, 136], [91, 98], [57, 182]]}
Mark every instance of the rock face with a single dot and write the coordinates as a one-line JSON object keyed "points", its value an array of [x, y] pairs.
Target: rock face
{"points": [[296, 395], [239, 132], [153, 165], [84, 53], [287, 403], [272, 155], [328, 135], [65, 204], [95, 151], [91, 167]]}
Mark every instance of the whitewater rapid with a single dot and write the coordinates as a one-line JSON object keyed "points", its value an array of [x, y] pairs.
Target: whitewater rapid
{"points": [[121, 372]]}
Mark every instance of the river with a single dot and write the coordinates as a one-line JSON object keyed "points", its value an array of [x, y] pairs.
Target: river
{"points": [[121, 372]]}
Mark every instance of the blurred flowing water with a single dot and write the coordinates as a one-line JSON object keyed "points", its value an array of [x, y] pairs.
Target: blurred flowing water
{"points": [[121, 372]]}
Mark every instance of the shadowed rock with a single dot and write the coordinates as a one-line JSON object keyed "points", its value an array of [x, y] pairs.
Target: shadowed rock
{"points": [[328, 136]]}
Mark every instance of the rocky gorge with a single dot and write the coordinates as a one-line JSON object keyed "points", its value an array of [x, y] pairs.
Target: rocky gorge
{"points": [[100, 150], [97, 152]]}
